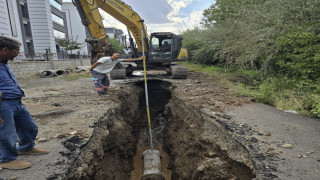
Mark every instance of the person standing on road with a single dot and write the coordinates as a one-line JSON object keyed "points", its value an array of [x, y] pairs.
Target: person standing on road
{"points": [[15, 120], [103, 66]]}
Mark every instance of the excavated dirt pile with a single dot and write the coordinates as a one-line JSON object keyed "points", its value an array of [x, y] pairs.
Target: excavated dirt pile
{"points": [[197, 145]]}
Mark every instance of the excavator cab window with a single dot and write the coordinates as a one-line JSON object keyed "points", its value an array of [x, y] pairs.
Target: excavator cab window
{"points": [[155, 44], [161, 46]]}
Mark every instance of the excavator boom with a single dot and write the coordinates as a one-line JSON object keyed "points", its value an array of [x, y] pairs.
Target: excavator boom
{"points": [[91, 18]]}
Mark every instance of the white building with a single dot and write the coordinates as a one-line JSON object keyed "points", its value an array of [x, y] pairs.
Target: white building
{"points": [[47, 24], [13, 22], [76, 31], [37, 24], [113, 32]]}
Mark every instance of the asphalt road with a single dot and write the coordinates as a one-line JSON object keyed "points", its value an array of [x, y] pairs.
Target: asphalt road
{"points": [[293, 139]]}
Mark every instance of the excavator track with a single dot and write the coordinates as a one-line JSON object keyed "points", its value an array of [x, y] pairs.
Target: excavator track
{"points": [[118, 74], [178, 71]]}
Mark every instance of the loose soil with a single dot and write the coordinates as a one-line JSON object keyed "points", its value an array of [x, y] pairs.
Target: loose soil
{"points": [[102, 137]]}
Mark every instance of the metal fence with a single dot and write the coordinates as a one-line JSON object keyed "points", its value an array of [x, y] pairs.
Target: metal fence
{"points": [[31, 56], [44, 57]]}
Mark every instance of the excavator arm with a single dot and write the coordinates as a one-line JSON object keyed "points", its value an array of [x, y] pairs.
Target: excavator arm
{"points": [[91, 18]]}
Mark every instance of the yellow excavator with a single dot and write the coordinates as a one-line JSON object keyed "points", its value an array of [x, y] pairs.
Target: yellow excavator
{"points": [[158, 58]]}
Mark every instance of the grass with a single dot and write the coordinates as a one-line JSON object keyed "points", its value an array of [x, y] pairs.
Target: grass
{"points": [[280, 92], [75, 76]]}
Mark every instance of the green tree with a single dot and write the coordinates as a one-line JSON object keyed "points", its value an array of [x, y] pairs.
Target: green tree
{"points": [[116, 45], [246, 33], [200, 46], [222, 10], [68, 44], [281, 38]]}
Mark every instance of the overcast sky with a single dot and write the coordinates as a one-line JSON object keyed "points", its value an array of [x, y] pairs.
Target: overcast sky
{"points": [[164, 15]]}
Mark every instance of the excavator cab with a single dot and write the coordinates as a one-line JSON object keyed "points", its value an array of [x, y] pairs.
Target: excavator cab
{"points": [[164, 47]]}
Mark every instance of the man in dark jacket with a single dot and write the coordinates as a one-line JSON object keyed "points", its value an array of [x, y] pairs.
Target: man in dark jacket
{"points": [[165, 47], [15, 120]]}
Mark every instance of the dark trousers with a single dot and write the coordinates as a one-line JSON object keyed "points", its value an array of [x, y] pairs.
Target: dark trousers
{"points": [[101, 82]]}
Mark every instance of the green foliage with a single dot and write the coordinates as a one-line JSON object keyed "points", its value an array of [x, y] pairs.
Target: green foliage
{"points": [[279, 40], [199, 46], [68, 44], [285, 94], [222, 10], [246, 33], [192, 39], [116, 45], [280, 91], [315, 108], [299, 55]]}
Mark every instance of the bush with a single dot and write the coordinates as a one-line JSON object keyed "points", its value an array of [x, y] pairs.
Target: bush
{"points": [[280, 39], [299, 55]]}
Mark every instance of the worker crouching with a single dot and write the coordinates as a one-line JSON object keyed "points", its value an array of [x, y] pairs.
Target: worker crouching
{"points": [[103, 66]]}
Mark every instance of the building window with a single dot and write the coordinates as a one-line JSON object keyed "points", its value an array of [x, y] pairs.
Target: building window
{"points": [[24, 11], [30, 47], [56, 4], [59, 34], [57, 19], [27, 30]]}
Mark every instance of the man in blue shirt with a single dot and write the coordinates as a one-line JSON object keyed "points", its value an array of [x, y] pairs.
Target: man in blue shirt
{"points": [[15, 120]]}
